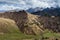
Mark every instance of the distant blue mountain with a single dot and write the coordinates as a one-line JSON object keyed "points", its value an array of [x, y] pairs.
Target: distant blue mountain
{"points": [[31, 10], [49, 11]]}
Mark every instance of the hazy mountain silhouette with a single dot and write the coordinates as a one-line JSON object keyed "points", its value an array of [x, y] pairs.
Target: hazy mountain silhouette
{"points": [[31, 10], [49, 11]]}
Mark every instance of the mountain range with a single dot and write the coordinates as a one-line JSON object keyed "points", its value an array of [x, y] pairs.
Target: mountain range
{"points": [[47, 11]]}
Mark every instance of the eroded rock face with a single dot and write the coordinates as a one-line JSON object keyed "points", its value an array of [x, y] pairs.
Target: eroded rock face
{"points": [[51, 23], [32, 25]]}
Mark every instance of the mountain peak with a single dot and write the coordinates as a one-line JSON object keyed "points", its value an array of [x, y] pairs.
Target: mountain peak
{"points": [[35, 9]]}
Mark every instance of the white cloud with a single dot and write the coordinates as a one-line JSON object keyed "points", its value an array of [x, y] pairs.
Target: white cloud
{"points": [[7, 7], [25, 4]]}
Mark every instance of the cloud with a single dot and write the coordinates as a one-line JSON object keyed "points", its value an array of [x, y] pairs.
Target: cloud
{"points": [[26, 4], [7, 7]]}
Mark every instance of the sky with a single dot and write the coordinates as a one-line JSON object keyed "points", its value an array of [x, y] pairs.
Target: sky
{"points": [[26, 4]]}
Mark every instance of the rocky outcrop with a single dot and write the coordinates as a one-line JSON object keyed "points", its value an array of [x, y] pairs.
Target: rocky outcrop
{"points": [[51, 23], [32, 26]]}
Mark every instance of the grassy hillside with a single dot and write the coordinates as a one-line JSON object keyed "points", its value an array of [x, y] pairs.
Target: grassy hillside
{"points": [[21, 23], [8, 26], [10, 31]]}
